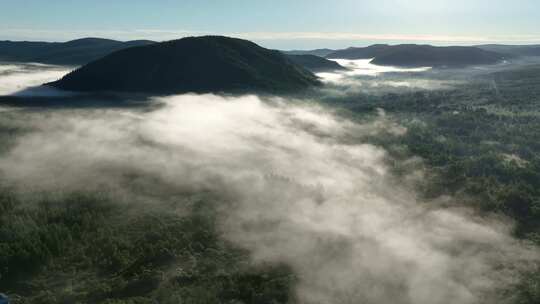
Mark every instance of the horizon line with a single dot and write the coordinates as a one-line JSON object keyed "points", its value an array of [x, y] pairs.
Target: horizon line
{"points": [[21, 34]]}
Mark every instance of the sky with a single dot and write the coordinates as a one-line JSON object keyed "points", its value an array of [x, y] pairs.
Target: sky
{"points": [[283, 24]]}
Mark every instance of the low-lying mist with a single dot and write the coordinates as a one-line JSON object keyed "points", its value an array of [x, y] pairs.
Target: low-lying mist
{"points": [[301, 186], [25, 79], [363, 77]]}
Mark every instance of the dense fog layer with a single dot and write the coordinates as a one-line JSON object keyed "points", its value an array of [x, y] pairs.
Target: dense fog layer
{"points": [[300, 185]]}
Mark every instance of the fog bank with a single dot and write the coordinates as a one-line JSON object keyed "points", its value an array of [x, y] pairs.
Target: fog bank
{"points": [[17, 78], [300, 186]]}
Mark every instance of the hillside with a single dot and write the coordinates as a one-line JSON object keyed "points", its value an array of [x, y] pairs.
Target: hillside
{"points": [[194, 64], [316, 63], [412, 55], [75, 52], [316, 52], [360, 52], [425, 55], [513, 50]]}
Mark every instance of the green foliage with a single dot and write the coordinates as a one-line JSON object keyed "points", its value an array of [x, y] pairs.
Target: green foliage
{"points": [[82, 248], [480, 142]]}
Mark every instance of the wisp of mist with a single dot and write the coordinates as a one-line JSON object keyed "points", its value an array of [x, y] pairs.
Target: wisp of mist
{"points": [[303, 187], [26, 79], [362, 76]]}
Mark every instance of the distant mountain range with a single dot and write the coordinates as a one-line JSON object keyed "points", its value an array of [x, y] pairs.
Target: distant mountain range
{"points": [[82, 51], [215, 63], [316, 63], [360, 52], [85, 50], [426, 55], [194, 64], [75, 52], [514, 50], [317, 52], [413, 55]]}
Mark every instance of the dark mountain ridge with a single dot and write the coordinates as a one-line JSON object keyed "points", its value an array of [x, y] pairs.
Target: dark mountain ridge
{"points": [[369, 52], [513, 50], [85, 50], [316, 52], [316, 63], [193, 64], [414, 55], [75, 52], [427, 55]]}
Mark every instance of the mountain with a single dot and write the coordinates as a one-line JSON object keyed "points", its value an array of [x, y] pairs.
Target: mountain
{"points": [[75, 52], [426, 55], [413, 55], [513, 50], [317, 52], [193, 64], [360, 52], [316, 63]]}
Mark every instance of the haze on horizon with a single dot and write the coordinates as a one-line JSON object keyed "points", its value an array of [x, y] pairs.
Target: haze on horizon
{"points": [[282, 24]]}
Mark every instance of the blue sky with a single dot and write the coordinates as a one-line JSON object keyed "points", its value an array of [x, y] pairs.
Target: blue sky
{"points": [[285, 24]]}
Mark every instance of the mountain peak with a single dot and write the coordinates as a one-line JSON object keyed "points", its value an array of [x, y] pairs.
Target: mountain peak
{"points": [[191, 64]]}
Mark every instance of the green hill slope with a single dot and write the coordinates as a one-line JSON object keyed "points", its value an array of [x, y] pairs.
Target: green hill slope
{"points": [[194, 64]]}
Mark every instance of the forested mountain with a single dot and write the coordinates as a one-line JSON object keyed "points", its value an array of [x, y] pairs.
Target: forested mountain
{"points": [[194, 64], [426, 55], [514, 50], [316, 63], [369, 52], [412, 55], [75, 52], [316, 52]]}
